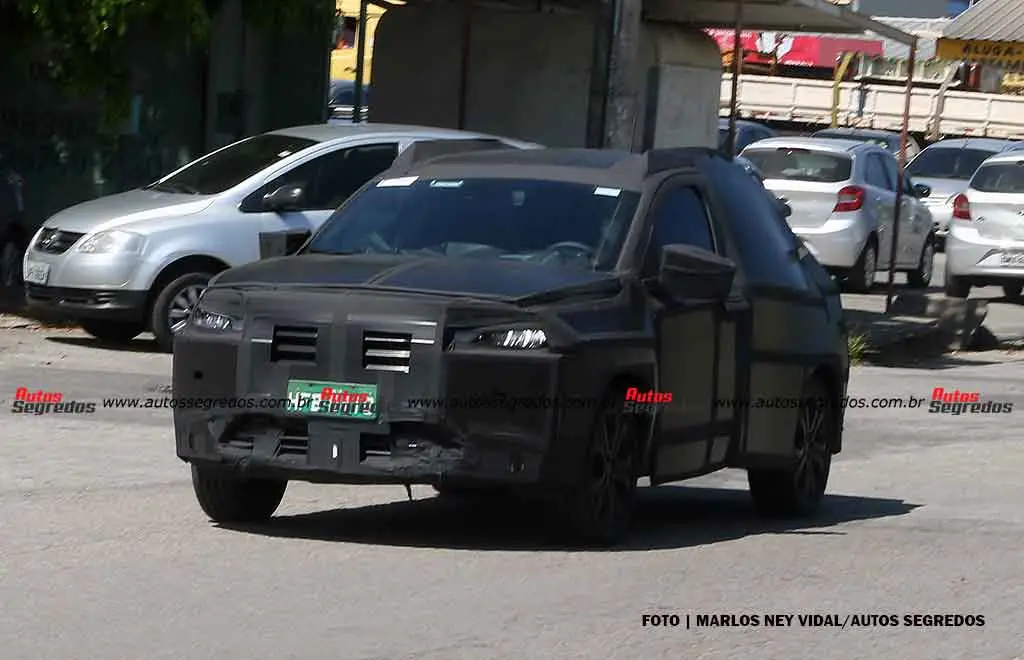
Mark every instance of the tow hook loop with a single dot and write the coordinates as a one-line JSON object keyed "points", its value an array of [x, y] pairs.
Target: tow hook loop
{"points": [[408, 491]]}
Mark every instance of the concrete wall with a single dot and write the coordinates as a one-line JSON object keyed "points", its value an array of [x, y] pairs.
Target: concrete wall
{"points": [[529, 75]]}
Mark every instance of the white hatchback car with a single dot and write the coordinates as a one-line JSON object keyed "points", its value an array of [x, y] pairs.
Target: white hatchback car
{"points": [[138, 260], [985, 245], [843, 199]]}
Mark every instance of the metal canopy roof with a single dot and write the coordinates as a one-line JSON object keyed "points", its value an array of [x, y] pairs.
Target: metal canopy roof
{"points": [[992, 20], [781, 15]]}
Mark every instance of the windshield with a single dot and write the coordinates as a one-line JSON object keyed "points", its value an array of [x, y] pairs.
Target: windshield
{"points": [[550, 222], [224, 169], [1000, 178], [800, 164], [948, 163]]}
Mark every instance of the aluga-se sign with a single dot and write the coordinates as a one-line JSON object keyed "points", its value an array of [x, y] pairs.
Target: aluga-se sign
{"points": [[1008, 55]]}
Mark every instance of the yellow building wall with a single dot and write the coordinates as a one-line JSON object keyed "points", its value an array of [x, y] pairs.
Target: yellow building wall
{"points": [[343, 60]]}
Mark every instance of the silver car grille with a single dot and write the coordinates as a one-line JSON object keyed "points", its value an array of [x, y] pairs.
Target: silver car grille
{"points": [[56, 241]]}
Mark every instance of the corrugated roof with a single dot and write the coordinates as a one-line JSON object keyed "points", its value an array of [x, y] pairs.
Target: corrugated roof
{"points": [[928, 31], [990, 20]]}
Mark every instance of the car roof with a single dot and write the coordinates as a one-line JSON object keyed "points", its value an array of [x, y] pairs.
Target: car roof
{"points": [[339, 131], [599, 167], [988, 144], [819, 144], [1005, 157]]}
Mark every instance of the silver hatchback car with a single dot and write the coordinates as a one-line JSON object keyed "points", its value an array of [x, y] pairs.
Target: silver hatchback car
{"points": [[985, 245], [843, 196], [138, 260]]}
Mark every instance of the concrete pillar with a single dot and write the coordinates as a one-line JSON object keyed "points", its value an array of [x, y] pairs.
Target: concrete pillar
{"points": [[624, 82]]}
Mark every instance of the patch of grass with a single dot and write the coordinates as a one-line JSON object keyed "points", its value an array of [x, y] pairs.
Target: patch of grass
{"points": [[858, 346]]}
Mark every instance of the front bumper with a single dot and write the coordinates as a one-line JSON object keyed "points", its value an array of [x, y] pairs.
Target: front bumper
{"points": [[406, 444], [115, 305], [978, 259], [836, 244]]}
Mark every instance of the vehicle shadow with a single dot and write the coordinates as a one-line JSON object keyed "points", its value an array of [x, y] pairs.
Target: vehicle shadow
{"points": [[668, 517], [137, 345]]}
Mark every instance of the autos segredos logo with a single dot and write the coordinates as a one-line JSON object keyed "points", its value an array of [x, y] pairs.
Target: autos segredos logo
{"points": [[955, 402], [41, 402]]}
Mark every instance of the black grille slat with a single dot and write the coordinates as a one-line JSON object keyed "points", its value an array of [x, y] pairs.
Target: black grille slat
{"points": [[294, 344], [374, 445], [56, 241], [294, 439], [387, 351]]}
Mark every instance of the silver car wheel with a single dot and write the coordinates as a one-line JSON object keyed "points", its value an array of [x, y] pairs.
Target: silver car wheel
{"points": [[181, 306], [927, 262], [870, 264]]}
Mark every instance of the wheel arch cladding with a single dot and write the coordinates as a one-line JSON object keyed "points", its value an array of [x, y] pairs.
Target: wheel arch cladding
{"points": [[828, 376], [175, 269], [636, 378]]}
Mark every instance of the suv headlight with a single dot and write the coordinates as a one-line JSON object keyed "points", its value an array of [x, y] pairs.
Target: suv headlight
{"points": [[205, 319], [114, 241], [522, 338]]}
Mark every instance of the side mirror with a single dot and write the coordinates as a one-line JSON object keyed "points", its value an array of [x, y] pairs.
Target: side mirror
{"points": [[784, 207], [692, 273], [922, 191], [285, 198]]}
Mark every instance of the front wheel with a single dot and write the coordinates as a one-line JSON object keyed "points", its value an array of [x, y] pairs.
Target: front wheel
{"points": [[227, 498], [173, 306], [797, 490], [599, 508]]}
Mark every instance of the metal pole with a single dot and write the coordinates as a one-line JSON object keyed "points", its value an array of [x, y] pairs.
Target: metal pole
{"points": [[467, 34], [901, 175], [357, 101], [737, 66]]}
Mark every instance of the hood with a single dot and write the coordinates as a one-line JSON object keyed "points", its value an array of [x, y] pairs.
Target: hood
{"points": [[127, 208], [447, 276], [942, 189]]}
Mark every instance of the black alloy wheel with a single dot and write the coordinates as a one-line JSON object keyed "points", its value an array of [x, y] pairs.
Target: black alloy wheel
{"points": [[798, 490]]}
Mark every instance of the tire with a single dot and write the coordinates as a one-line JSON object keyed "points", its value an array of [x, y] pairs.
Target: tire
{"points": [[10, 264], [175, 298], [1013, 291], [798, 490], [957, 287], [598, 509], [112, 332], [861, 277], [921, 277], [226, 498]]}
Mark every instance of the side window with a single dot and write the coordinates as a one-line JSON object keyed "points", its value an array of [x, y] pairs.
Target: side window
{"points": [[892, 170], [876, 173], [344, 172], [680, 217]]}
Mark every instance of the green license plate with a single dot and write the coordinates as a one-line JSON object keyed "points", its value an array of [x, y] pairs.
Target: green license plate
{"points": [[327, 399]]}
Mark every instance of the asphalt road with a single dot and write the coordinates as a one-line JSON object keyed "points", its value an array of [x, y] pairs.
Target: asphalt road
{"points": [[105, 555]]}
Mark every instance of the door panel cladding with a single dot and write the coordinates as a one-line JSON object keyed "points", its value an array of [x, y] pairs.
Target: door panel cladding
{"points": [[726, 370], [720, 450], [684, 458], [771, 426], [783, 327], [687, 370]]}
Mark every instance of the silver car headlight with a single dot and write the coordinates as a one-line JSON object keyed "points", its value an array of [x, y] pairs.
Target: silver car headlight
{"points": [[521, 338], [114, 241]]}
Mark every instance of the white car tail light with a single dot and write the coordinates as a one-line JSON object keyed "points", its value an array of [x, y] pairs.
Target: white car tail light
{"points": [[851, 198], [961, 208]]}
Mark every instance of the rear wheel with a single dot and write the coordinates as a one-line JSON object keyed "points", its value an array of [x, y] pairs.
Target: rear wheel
{"points": [[797, 490], [861, 277], [1013, 291], [173, 306], [112, 332], [227, 498], [921, 277], [598, 509], [957, 287]]}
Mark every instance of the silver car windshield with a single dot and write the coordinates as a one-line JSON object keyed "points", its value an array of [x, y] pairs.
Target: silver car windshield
{"points": [[225, 169], [800, 164], [1000, 178], [558, 223]]}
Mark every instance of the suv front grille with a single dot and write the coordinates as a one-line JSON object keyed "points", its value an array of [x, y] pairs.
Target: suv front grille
{"points": [[55, 241], [387, 351], [293, 343]]}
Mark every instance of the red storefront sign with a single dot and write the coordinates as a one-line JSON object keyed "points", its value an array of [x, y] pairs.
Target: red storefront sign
{"points": [[796, 50]]}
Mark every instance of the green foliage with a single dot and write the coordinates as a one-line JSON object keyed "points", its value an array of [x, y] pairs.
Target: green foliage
{"points": [[858, 345], [86, 45]]}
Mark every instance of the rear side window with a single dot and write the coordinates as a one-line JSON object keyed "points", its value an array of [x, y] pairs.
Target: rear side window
{"points": [[760, 234], [948, 162], [801, 164], [1000, 178]]}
